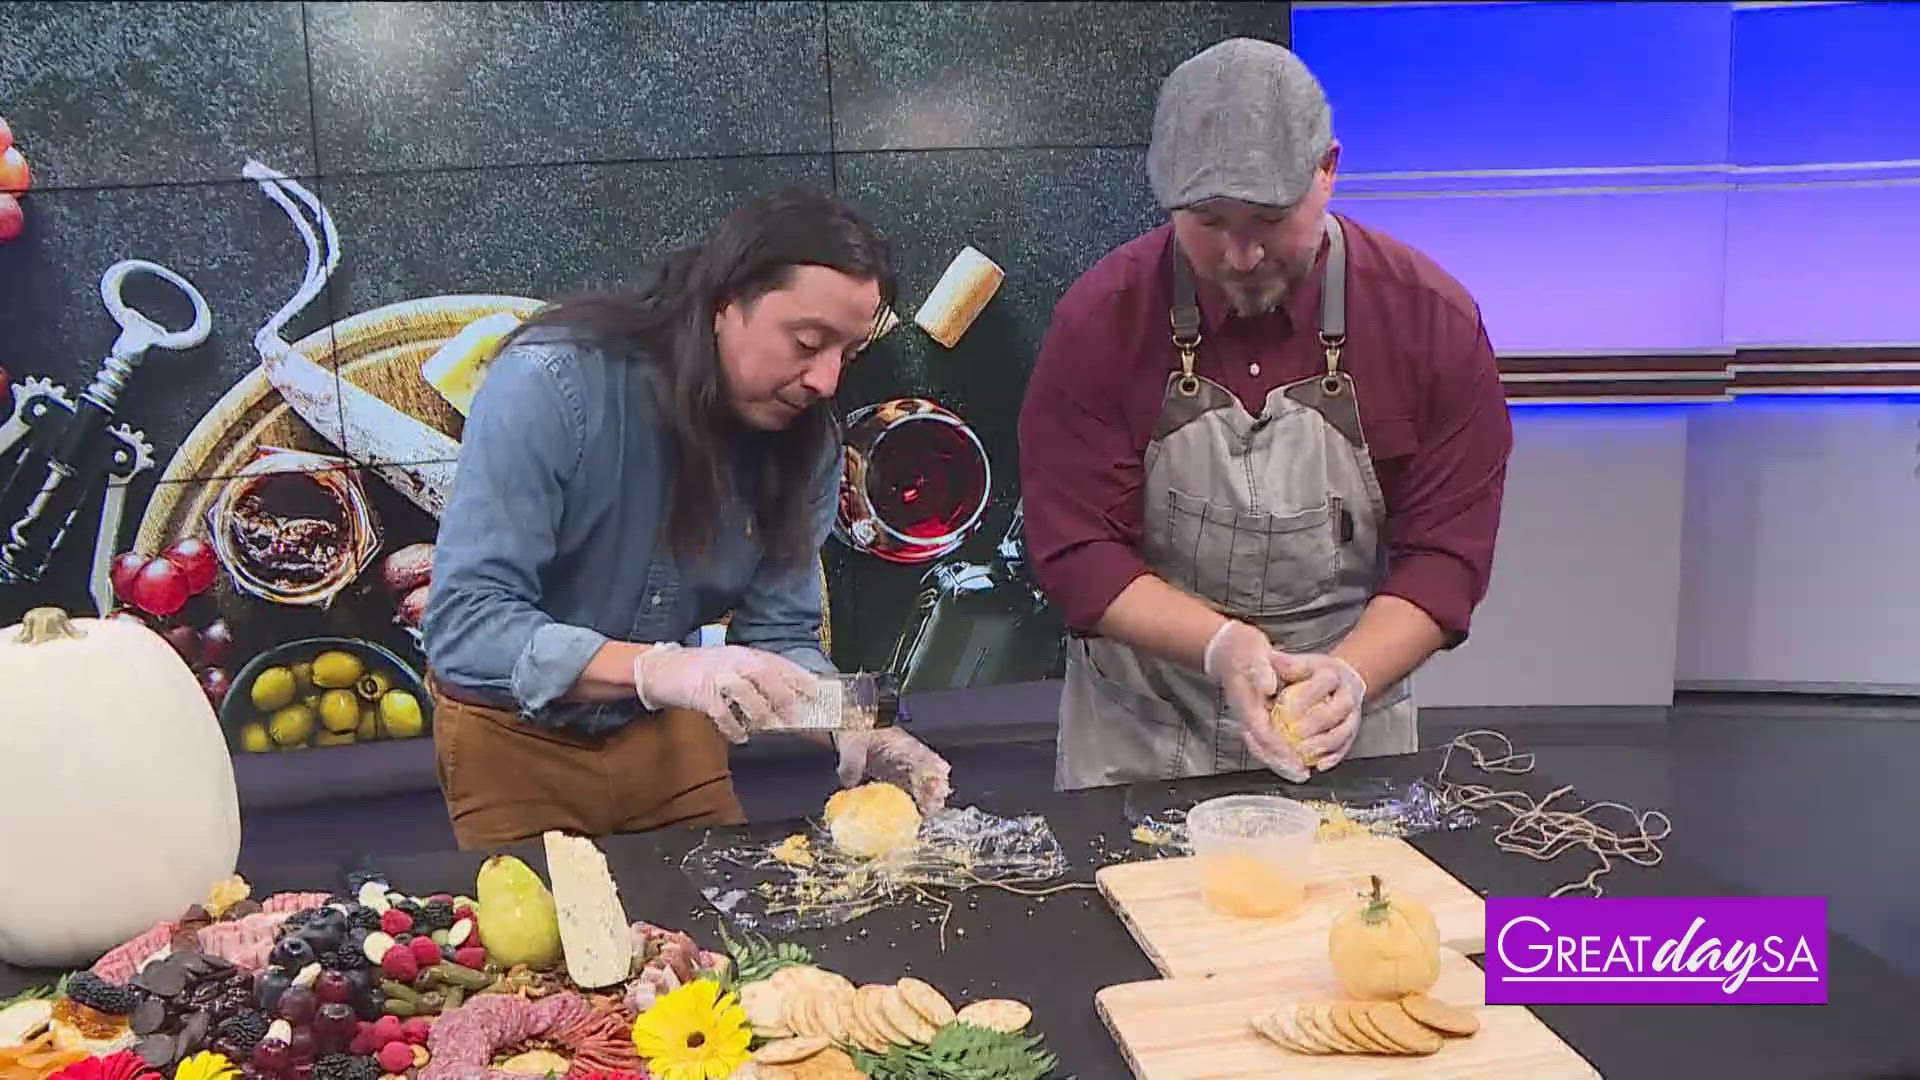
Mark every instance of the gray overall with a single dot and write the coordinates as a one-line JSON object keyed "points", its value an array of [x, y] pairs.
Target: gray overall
{"points": [[1277, 520]]}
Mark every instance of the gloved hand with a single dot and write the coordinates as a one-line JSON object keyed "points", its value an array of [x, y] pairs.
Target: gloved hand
{"points": [[1326, 694], [766, 688], [891, 755], [1240, 660]]}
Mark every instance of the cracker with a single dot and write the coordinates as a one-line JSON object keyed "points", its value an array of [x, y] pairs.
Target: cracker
{"points": [[863, 1031], [931, 1004], [798, 1015], [765, 1006], [1341, 1013], [1369, 1034], [788, 1051], [893, 1004], [1290, 1022], [1277, 1025], [1401, 1029], [1316, 1021], [997, 1014], [873, 1013], [789, 979], [1440, 1016], [833, 981], [838, 1013], [832, 1063]]}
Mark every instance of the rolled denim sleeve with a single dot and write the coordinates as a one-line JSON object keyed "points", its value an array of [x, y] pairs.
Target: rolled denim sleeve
{"points": [[780, 611], [485, 630]]}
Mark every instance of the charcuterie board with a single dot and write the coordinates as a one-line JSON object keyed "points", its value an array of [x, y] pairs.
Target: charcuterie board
{"points": [[1160, 903]]}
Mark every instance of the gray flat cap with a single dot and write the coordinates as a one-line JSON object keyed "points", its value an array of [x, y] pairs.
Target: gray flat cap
{"points": [[1244, 120]]}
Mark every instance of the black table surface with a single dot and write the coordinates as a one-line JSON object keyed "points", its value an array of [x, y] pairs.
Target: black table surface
{"points": [[1056, 952]]}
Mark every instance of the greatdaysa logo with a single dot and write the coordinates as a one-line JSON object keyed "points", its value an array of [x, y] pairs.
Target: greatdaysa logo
{"points": [[1657, 951]]}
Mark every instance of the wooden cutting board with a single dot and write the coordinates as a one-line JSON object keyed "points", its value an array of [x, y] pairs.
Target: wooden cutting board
{"points": [[1160, 903], [1199, 1029]]}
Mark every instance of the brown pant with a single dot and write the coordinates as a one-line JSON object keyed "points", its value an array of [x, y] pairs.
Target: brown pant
{"points": [[507, 780]]}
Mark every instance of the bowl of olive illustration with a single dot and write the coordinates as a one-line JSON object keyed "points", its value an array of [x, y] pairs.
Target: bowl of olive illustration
{"points": [[324, 691]]}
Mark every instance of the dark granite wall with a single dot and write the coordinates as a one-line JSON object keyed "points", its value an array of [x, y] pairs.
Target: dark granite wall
{"points": [[529, 150]]}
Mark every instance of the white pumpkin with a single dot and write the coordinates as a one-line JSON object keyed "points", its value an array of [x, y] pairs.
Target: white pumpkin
{"points": [[117, 802]]}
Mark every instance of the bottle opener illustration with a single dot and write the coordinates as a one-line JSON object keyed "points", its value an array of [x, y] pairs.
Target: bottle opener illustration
{"points": [[71, 448]]}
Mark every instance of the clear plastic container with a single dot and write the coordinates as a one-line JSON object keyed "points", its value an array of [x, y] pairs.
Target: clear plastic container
{"points": [[1255, 854]]}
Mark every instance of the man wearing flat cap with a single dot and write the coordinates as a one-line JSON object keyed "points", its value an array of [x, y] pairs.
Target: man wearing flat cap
{"points": [[1262, 450]]}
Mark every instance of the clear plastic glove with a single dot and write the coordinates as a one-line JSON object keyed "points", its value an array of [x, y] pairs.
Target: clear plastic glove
{"points": [[1240, 660], [891, 755], [1326, 694], [766, 689]]}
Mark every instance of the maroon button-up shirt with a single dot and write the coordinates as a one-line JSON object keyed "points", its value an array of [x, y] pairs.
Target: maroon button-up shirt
{"points": [[1431, 407]]}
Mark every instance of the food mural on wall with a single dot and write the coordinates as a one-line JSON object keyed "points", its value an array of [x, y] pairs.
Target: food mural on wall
{"points": [[286, 549]]}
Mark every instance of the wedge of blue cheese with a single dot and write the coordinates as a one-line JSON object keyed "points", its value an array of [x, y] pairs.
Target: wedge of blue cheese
{"points": [[594, 935]]}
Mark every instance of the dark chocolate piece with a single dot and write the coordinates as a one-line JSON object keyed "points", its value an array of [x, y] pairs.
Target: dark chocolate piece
{"points": [[148, 1017], [193, 1035], [157, 1050]]}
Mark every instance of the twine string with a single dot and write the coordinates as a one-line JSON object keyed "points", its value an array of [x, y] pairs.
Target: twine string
{"points": [[1541, 831]]}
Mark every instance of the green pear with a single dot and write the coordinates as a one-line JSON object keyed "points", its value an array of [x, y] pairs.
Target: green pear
{"points": [[517, 919]]}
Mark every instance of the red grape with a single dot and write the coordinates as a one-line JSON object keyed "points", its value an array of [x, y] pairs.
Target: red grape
{"points": [[332, 986], [215, 642], [160, 588], [13, 219], [298, 1005], [303, 1046], [6, 399], [194, 557], [216, 682], [15, 176], [272, 1056], [126, 566], [185, 641]]}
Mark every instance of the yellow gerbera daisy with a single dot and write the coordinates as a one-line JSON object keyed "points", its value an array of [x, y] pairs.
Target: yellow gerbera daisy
{"points": [[693, 1033], [206, 1066]]}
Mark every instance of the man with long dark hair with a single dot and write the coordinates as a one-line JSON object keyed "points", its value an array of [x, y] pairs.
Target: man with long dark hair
{"points": [[636, 465]]}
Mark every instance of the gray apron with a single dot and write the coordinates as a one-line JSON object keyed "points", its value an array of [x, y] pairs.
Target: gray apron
{"points": [[1276, 520]]}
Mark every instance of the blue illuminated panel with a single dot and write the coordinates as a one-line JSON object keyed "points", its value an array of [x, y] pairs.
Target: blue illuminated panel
{"points": [[1594, 273], [1521, 86], [1826, 82], [1723, 175]]}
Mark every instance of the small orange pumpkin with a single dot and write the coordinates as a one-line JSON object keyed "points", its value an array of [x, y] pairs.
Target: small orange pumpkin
{"points": [[1385, 948]]}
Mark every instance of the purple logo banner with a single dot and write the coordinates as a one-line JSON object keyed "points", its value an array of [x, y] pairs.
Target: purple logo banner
{"points": [[1657, 951]]}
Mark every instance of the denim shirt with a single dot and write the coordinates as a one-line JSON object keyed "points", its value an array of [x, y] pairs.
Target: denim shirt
{"points": [[553, 541]]}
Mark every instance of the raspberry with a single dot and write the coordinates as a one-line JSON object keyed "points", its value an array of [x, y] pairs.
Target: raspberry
{"points": [[425, 952], [396, 921], [385, 1030], [399, 964], [396, 1057], [416, 1030], [471, 956]]}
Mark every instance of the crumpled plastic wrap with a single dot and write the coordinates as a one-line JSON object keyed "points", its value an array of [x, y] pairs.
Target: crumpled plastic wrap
{"points": [[1377, 807], [750, 884]]}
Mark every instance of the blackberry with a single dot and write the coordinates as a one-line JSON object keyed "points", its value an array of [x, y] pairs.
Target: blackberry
{"points": [[438, 915], [363, 917], [345, 960], [345, 1067], [297, 920], [245, 1030], [414, 911], [100, 995]]}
